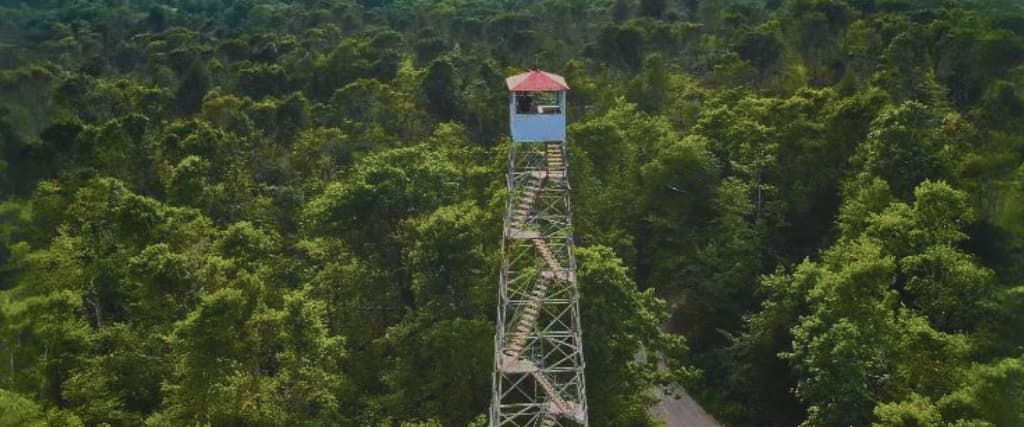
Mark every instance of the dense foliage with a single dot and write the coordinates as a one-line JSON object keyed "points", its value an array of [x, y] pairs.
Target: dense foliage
{"points": [[269, 212]]}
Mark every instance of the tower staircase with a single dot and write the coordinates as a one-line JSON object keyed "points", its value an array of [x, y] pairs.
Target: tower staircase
{"points": [[539, 190]]}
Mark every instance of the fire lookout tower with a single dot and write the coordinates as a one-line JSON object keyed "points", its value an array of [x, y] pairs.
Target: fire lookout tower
{"points": [[538, 353]]}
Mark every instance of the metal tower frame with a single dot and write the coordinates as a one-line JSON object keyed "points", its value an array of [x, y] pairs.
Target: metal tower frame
{"points": [[538, 352]]}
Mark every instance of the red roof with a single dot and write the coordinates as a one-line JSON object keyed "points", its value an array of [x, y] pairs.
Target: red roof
{"points": [[536, 80]]}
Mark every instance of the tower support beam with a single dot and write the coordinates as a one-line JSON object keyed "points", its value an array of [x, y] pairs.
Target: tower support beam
{"points": [[538, 368]]}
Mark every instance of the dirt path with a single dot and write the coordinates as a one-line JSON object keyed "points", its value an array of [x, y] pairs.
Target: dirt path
{"points": [[682, 411], [675, 407]]}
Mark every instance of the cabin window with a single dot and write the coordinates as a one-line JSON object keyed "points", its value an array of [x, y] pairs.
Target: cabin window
{"points": [[538, 103], [524, 103]]}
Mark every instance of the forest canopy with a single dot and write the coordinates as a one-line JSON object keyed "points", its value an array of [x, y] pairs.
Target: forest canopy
{"points": [[270, 212]]}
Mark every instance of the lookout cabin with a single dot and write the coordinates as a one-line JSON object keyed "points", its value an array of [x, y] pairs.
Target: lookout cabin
{"points": [[537, 107]]}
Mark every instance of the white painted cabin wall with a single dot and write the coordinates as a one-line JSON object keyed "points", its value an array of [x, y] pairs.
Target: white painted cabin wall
{"points": [[537, 127]]}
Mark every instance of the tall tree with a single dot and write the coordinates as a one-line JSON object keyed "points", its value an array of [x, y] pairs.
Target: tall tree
{"points": [[192, 88]]}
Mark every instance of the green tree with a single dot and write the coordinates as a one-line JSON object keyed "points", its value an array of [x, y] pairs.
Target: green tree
{"points": [[195, 82], [439, 91], [916, 411], [18, 410], [620, 321], [384, 189], [870, 333], [451, 271], [461, 349], [259, 81], [903, 148], [991, 395], [653, 8], [762, 49]]}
